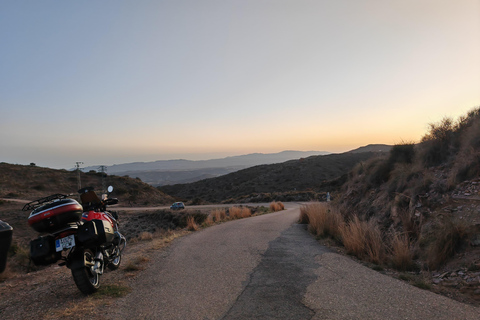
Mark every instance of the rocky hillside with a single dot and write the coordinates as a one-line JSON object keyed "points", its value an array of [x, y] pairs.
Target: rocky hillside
{"points": [[425, 199], [293, 180]]}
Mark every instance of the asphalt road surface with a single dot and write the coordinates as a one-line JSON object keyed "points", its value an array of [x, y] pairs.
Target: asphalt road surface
{"points": [[269, 267]]}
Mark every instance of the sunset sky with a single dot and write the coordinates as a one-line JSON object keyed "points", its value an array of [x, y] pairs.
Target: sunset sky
{"points": [[109, 82]]}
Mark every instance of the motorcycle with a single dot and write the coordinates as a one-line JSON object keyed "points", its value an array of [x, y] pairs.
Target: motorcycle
{"points": [[85, 237]]}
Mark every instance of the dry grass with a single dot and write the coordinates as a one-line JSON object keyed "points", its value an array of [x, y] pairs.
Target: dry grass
{"points": [[191, 224], [246, 213], [216, 216], [353, 237], [75, 310], [209, 221], [276, 206], [235, 213], [323, 220], [375, 245], [136, 263], [219, 214], [145, 236], [450, 236], [303, 218], [401, 254], [363, 239], [410, 223], [239, 213]]}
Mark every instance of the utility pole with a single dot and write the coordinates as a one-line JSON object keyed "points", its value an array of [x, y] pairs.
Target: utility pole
{"points": [[77, 166], [103, 170]]}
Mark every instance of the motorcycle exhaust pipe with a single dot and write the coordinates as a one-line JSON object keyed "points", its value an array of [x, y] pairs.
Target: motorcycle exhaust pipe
{"points": [[98, 266]]}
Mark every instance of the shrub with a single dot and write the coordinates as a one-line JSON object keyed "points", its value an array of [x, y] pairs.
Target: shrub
{"points": [[450, 235], [235, 213], [380, 173], [443, 140], [276, 206], [411, 224], [402, 153], [246, 213]]}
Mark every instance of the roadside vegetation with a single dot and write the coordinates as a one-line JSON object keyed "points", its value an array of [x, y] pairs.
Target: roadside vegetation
{"points": [[415, 209]]}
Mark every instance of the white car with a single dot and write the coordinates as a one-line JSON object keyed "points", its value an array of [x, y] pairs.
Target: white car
{"points": [[177, 206]]}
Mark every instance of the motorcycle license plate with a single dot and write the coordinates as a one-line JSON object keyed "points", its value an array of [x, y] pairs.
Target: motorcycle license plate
{"points": [[65, 243]]}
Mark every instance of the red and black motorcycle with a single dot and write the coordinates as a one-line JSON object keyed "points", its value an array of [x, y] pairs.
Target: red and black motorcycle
{"points": [[84, 236]]}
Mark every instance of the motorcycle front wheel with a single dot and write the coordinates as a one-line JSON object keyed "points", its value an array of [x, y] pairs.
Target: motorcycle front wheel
{"points": [[85, 278], [115, 263]]}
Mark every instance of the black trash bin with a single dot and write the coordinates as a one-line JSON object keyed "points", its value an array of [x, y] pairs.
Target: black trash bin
{"points": [[5, 241]]}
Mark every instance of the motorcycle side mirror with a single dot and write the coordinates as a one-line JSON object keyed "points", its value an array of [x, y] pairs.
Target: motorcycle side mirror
{"points": [[110, 189]]}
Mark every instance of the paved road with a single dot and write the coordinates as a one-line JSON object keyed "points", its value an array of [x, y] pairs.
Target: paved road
{"points": [[268, 267], [206, 206]]}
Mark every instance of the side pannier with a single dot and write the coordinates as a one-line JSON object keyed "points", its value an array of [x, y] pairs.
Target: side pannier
{"points": [[95, 232], [42, 251]]}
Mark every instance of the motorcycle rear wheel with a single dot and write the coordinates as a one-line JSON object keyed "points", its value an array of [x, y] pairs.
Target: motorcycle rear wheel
{"points": [[85, 278]]}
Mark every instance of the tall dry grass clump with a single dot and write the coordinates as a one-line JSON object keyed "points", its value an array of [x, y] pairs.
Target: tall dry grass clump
{"points": [[401, 254], [191, 224], [246, 213], [363, 239], [323, 219], [276, 206], [218, 214], [239, 212], [303, 218]]}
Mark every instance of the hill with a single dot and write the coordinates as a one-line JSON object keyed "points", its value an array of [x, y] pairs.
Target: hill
{"points": [[300, 179], [163, 172], [373, 148], [417, 209], [32, 182]]}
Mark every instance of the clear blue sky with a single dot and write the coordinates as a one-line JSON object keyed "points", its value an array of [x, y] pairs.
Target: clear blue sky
{"points": [[107, 82]]}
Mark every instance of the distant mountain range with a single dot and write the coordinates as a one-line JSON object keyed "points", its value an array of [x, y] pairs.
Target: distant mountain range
{"points": [[314, 174], [169, 172], [248, 160], [164, 172]]}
